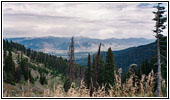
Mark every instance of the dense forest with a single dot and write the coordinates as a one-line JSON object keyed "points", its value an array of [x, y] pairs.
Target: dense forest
{"points": [[28, 71]]}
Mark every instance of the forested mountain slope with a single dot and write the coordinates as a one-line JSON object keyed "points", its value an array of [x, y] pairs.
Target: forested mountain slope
{"points": [[133, 55]]}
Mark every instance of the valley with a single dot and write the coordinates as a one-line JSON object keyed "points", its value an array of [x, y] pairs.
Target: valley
{"points": [[83, 45]]}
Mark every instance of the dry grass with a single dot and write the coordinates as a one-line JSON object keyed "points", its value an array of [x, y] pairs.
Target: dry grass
{"points": [[133, 87]]}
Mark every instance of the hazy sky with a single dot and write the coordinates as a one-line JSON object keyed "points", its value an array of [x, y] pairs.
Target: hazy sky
{"points": [[95, 20]]}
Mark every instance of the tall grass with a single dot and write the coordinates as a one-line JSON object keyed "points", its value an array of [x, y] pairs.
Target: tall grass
{"points": [[133, 87]]}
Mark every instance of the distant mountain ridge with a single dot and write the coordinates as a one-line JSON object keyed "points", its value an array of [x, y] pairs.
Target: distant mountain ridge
{"points": [[59, 45]]}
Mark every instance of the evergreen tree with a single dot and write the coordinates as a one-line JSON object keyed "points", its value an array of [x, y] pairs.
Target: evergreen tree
{"points": [[23, 69], [101, 73], [28, 52], [67, 85], [110, 69], [96, 68], [43, 79], [140, 72], [9, 68], [146, 69], [160, 19], [18, 74]]}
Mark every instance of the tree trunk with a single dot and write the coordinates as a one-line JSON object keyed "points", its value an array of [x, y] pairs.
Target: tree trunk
{"points": [[159, 69], [96, 68]]}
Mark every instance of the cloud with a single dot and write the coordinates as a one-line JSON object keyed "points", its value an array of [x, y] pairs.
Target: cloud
{"points": [[95, 20]]}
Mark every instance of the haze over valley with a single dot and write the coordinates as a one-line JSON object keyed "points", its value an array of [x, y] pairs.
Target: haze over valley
{"points": [[59, 46]]}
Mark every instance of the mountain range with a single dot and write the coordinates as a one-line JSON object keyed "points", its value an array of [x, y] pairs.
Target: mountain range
{"points": [[83, 45]]}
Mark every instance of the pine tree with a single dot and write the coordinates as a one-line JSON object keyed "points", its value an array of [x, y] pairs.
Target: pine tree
{"points": [[96, 68], [24, 69], [101, 73], [43, 79], [160, 19], [18, 74], [9, 68], [110, 69], [95, 71], [146, 69]]}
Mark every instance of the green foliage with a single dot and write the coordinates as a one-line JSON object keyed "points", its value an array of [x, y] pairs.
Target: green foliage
{"points": [[146, 69], [9, 69], [39, 69], [147, 65], [137, 55], [101, 78], [67, 85], [153, 63], [18, 74], [160, 18], [106, 70], [109, 69], [51, 61], [23, 70], [55, 73], [43, 79]]}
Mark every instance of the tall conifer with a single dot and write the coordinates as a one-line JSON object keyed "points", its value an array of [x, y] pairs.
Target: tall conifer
{"points": [[9, 68], [110, 69], [160, 19]]}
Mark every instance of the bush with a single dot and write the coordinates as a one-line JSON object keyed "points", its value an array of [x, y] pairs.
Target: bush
{"points": [[67, 85], [43, 79]]}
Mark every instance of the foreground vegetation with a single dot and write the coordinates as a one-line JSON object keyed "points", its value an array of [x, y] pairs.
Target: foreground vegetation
{"points": [[131, 88]]}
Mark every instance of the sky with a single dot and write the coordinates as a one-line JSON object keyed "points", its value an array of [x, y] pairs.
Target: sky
{"points": [[94, 20]]}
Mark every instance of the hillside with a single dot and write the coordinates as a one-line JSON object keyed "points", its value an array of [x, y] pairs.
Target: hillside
{"points": [[32, 71], [133, 55], [32, 87]]}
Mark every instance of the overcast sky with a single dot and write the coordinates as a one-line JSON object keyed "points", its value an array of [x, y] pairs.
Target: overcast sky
{"points": [[95, 20]]}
